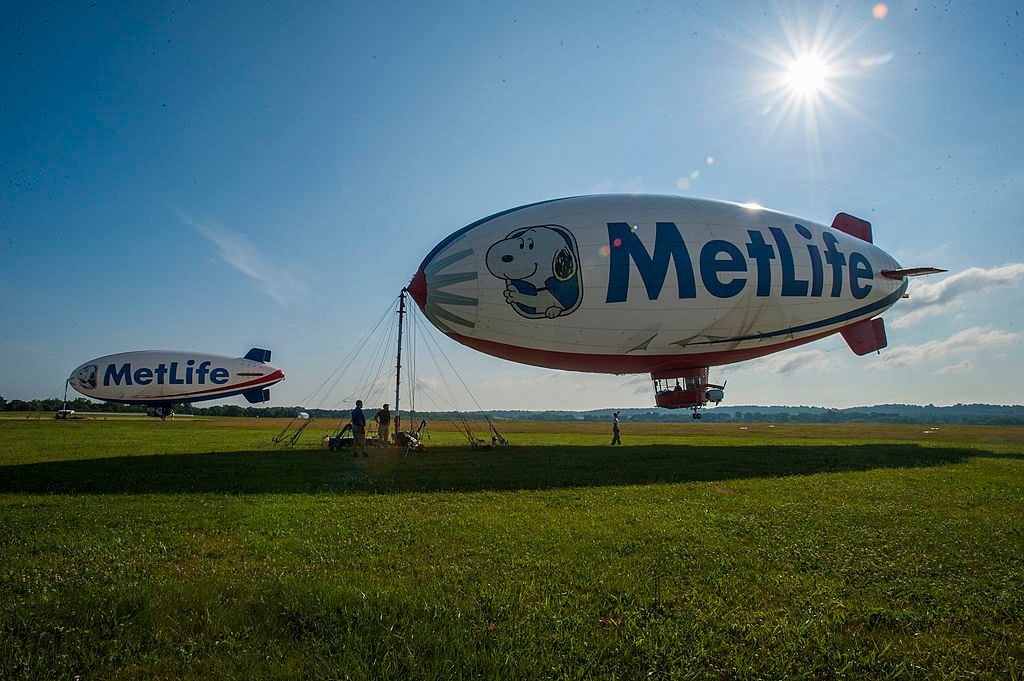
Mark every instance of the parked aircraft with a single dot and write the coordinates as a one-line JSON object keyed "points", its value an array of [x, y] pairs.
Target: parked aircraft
{"points": [[668, 285], [162, 378]]}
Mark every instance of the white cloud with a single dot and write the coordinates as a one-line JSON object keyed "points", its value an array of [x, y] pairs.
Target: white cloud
{"points": [[958, 368], [927, 299], [968, 340], [276, 281]]}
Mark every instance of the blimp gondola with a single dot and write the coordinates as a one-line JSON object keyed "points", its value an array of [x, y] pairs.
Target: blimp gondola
{"points": [[665, 285]]}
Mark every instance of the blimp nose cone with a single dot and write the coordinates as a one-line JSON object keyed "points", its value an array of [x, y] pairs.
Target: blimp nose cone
{"points": [[446, 285], [84, 377], [418, 288]]}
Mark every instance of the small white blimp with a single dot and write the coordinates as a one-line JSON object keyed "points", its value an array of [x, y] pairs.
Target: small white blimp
{"points": [[163, 378]]}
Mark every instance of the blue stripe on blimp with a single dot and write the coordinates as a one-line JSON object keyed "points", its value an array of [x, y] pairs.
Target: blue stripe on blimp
{"points": [[181, 400], [838, 319]]}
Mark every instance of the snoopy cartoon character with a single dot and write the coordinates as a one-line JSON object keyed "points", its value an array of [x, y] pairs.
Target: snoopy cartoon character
{"points": [[84, 377], [540, 266]]}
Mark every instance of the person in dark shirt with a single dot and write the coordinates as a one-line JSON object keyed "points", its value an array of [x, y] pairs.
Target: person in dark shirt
{"points": [[615, 429], [383, 419], [358, 430]]}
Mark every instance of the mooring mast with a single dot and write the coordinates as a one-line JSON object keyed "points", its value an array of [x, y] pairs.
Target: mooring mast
{"points": [[398, 365]]}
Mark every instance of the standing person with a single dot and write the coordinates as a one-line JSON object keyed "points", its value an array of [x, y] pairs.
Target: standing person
{"points": [[358, 429], [615, 429], [383, 419]]}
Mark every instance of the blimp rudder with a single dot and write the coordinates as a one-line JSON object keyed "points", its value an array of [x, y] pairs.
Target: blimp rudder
{"points": [[257, 395], [853, 226], [540, 267], [258, 355]]}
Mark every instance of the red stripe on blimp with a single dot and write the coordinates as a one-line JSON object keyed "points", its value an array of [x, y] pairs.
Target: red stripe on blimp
{"points": [[625, 364], [268, 379]]}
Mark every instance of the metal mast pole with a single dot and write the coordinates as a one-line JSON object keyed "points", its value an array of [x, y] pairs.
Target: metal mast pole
{"points": [[398, 365]]}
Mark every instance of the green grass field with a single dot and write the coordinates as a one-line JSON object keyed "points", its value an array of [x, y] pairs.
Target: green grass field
{"points": [[133, 548]]}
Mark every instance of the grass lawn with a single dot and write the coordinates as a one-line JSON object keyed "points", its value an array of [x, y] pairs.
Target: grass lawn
{"points": [[135, 548]]}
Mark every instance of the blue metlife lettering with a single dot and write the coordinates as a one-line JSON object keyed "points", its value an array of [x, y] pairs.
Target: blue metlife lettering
{"points": [[721, 264], [163, 374]]}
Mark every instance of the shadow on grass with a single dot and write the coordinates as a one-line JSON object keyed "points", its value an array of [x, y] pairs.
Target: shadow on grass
{"points": [[456, 469]]}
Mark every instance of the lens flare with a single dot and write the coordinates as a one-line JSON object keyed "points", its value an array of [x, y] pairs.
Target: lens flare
{"points": [[874, 60], [880, 11]]}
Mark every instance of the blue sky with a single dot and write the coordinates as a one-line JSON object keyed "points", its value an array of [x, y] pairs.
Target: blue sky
{"points": [[215, 176]]}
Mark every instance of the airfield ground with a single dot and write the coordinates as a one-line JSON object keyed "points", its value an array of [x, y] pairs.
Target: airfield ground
{"points": [[133, 548]]}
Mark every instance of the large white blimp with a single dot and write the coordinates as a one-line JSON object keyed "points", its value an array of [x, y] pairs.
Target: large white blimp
{"points": [[661, 284], [162, 378]]}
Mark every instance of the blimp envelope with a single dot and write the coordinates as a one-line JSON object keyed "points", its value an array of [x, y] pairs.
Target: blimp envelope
{"points": [[162, 377], [627, 283]]}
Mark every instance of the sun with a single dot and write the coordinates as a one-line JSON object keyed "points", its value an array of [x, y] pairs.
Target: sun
{"points": [[805, 79], [807, 75]]}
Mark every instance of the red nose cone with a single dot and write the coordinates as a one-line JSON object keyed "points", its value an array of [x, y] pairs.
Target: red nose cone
{"points": [[418, 289]]}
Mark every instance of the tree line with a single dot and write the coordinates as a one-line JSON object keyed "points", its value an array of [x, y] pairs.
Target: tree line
{"points": [[957, 414]]}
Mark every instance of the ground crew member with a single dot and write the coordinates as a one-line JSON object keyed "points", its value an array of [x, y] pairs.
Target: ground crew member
{"points": [[358, 429], [383, 419], [615, 429]]}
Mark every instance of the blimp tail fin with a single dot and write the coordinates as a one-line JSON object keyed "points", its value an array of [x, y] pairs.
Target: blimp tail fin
{"points": [[258, 355], [257, 395], [911, 272], [865, 336], [845, 222]]}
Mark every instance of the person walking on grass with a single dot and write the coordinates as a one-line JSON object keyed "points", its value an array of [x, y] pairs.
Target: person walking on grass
{"points": [[358, 429], [383, 419], [615, 429]]}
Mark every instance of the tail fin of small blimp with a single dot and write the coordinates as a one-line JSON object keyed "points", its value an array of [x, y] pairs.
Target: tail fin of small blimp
{"points": [[258, 355], [845, 222], [257, 395], [865, 336]]}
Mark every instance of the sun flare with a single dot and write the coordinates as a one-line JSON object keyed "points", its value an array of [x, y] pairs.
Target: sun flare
{"points": [[807, 75], [806, 79]]}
